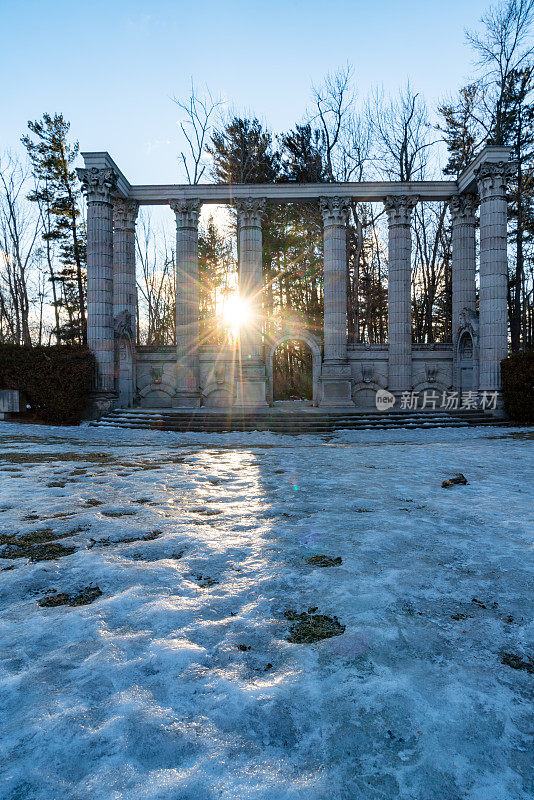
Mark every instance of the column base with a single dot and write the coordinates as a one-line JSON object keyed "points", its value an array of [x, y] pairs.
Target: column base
{"points": [[186, 398], [101, 403], [335, 385], [251, 393], [498, 412], [251, 386]]}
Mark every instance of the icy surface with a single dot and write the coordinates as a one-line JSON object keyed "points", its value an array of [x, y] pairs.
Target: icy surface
{"points": [[144, 694]]}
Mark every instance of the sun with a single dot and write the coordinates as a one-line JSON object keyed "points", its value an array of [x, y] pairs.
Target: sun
{"points": [[236, 313]]}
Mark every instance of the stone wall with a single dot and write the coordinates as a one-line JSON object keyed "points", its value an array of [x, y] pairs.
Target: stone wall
{"points": [[432, 368]]}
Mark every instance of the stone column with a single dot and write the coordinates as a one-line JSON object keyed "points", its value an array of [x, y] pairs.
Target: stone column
{"points": [[187, 391], [99, 186], [462, 208], [251, 378], [493, 314], [335, 373], [125, 298], [250, 212], [399, 209]]}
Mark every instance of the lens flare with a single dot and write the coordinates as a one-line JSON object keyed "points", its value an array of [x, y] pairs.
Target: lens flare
{"points": [[236, 313]]}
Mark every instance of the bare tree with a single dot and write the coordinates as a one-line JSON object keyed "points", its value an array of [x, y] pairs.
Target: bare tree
{"points": [[504, 46], [333, 107], [430, 264], [196, 127], [156, 322], [400, 127], [19, 235]]}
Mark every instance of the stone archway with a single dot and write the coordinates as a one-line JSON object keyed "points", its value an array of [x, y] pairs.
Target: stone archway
{"points": [[315, 347]]}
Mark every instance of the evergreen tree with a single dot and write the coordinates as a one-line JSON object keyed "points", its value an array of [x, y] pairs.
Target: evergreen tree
{"points": [[517, 131], [57, 191], [243, 152], [461, 128], [215, 265], [301, 155]]}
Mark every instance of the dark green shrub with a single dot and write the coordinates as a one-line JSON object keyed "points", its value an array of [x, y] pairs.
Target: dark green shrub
{"points": [[517, 373], [55, 381]]}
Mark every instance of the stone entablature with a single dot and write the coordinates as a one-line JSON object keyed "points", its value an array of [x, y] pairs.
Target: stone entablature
{"points": [[190, 376]]}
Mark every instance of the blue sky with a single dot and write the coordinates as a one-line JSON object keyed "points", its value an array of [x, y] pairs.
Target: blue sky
{"points": [[113, 67]]}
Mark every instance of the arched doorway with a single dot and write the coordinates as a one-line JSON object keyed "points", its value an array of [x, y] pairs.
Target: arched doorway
{"points": [[293, 365]]}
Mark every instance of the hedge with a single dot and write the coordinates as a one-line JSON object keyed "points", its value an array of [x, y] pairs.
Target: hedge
{"points": [[55, 381], [517, 373]]}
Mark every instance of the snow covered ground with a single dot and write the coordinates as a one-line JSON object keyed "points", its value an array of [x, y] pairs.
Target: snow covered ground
{"points": [[179, 682]]}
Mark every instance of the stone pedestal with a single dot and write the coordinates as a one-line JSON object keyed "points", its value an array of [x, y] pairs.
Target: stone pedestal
{"points": [[187, 391], [99, 186], [9, 403], [124, 299], [399, 209], [493, 313], [251, 377], [336, 383]]}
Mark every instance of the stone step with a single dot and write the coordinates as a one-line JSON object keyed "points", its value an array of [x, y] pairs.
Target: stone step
{"points": [[298, 422]]}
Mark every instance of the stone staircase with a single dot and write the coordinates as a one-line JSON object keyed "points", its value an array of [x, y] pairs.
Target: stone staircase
{"points": [[311, 421]]}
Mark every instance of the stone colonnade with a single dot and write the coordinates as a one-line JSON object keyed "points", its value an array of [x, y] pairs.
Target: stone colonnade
{"points": [[111, 303]]}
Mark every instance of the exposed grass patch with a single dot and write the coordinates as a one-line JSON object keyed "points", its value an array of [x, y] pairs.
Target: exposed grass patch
{"points": [[107, 542], [204, 581], [516, 662], [309, 627], [320, 560], [42, 552], [125, 513], [41, 545], [47, 458], [80, 598], [148, 557]]}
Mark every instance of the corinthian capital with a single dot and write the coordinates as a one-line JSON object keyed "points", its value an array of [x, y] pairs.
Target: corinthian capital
{"points": [[250, 210], [492, 178], [334, 210], [399, 208], [463, 207], [187, 212], [125, 214], [98, 185]]}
